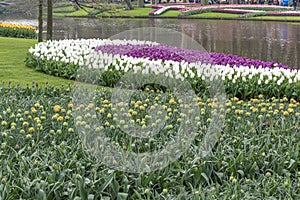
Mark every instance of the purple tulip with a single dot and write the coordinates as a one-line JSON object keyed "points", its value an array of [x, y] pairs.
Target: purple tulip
{"points": [[165, 52]]}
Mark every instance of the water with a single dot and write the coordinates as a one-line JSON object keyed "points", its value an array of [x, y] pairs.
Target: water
{"points": [[268, 41]]}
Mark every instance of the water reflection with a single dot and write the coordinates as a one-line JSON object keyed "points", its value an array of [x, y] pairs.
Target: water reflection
{"points": [[268, 41]]}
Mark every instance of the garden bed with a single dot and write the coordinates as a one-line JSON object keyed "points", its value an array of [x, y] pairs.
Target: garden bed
{"points": [[106, 61], [43, 157], [17, 30]]}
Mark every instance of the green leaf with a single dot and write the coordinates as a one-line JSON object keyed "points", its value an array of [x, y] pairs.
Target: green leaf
{"points": [[91, 197], [292, 161], [41, 195], [241, 172], [205, 177], [107, 182], [122, 196]]}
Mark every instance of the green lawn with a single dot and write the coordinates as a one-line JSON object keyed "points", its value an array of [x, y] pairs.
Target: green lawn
{"points": [[122, 12], [216, 15], [64, 9], [12, 55], [171, 13], [79, 12]]}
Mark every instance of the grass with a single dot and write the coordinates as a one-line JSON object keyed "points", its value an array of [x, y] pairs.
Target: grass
{"points": [[143, 12], [64, 9], [12, 55], [135, 12], [216, 15], [170, 13], [80, 12]]}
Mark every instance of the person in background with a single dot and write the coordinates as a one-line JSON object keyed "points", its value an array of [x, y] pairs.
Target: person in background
{"points": [[295, 4]]}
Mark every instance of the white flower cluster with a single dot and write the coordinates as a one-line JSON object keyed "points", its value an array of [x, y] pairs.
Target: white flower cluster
{"points": [[74, 51], [165, 8], [263, 75], [81, 52]]}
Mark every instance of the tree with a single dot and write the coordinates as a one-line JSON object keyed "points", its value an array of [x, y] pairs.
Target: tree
{"points": [[128, 5], [40, 20], [49, 19], [140, 3], [204, 2]]}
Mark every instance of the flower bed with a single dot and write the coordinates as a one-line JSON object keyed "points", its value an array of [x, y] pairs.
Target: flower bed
{"points": [[165, 52], [17, 30], [240, 6], [161, 9], [105, 61], [239, 9], [42, 155], [258, 12], [235, 11], [40, 148]]}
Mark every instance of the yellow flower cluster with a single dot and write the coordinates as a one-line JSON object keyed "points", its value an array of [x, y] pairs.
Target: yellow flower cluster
{"points": [[270, 107], [17, 26]]}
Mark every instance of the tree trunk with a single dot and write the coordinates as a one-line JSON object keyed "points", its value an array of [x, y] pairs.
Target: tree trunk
{"points": [[49, 19], [128, 5], [204, 2], [40, 19], [140, 4]]}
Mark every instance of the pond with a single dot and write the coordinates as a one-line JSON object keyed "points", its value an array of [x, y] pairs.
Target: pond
{"points": [[268, 41]]}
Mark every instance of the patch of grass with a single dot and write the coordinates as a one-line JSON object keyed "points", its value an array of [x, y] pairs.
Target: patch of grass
{"points": [[12, 56], [171, 13], [59, 14], [79, 12], [116, 12], [64, 9], [216, 15], [123, 12]]}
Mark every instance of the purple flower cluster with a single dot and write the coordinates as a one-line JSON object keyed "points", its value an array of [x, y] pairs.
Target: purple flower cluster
{"points": [[156, 52], [233, 60], [269, 13], [165, 52], [5, 3]]}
